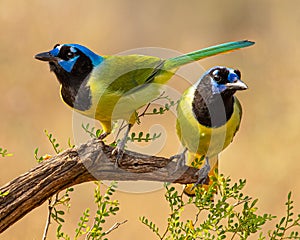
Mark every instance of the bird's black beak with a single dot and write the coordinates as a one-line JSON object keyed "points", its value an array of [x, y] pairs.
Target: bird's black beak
{"points": [[237, 85], [45, 56]]}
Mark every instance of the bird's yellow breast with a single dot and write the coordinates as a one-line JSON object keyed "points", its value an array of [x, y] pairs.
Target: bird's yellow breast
{"points": [[205, 141]]}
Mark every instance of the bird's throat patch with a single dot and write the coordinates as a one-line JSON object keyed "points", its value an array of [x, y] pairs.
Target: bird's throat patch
{"points": [[212, 110], [78, 97]]}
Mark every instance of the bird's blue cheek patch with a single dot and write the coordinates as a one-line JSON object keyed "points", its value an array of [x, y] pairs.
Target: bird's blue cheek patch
{"points": [[218, 88], [232, 77], [68, 65]]}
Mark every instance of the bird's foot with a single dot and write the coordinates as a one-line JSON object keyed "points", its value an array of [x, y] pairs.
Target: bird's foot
{"points": [[180, 160], [119, 149], [118, 152], [202, 173]]}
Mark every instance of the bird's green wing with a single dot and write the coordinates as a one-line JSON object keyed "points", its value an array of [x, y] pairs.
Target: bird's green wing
{"points": [[126, 73]]}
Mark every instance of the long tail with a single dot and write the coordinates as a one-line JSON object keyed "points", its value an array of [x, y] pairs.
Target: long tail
{"points": [[190, 188], [204, 53]]}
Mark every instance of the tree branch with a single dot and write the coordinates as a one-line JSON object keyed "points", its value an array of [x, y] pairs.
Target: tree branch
{"points": [[88, 162]]}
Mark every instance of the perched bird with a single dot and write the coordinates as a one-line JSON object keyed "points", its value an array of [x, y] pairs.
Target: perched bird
{"points": [[208, 117], [109, 88]]}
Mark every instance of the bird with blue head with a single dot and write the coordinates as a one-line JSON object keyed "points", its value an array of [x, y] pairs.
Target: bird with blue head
{"points": [[208, 117], [113, 87]]}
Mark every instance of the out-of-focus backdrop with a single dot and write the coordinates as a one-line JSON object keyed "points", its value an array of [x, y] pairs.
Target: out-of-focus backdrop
{"points": [[265, 150]]}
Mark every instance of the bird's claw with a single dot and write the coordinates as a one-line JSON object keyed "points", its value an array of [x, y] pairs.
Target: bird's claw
{"points": [[202, 173], [180, 160], [118, 152], [119, 149]]}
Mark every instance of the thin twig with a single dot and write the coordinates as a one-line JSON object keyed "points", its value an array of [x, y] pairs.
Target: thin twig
{"points": [[241, 202], [145, 110], [88, 234], [115, 226], [149, 104], [141, 115], [235, 205], [197, 217], [51, 205], [48, 221], [165, 233], [233, 236]]}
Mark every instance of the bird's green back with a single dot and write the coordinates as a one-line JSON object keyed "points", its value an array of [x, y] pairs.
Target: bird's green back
{"points": [[126, 73]]}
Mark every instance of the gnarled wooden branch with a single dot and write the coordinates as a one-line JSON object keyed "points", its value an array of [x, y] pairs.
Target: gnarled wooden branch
{"points": [[87, 162]]}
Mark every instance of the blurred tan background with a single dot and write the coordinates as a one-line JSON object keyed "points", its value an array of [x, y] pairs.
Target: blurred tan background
{"points": [[265, 151]]}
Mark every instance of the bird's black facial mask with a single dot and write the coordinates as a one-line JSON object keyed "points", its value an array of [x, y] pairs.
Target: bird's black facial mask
{"points": [[64, 56]]}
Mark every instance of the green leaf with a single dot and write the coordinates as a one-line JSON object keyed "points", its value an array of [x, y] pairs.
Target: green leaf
{"points": [[4, 153]]}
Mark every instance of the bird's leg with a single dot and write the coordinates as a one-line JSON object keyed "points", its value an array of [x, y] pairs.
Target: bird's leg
{"points": [[103, 135], [119, 149], [180, 160], [202, 173]]}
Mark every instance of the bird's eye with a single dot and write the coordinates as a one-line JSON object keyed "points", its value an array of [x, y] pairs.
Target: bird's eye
{"points": [[220, 75], [216, 76], [66, 53], [238, 73], [70, 54]]}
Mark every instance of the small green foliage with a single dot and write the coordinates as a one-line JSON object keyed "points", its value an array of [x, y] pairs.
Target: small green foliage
{"points": [[286, 223], [55, 146], [3, 194], [37, 158], [106, 207], [157, 111], [70, 144], [198, 162], [83, 228], [53, 142], [141, 137], [231, 216], [151, 225], [57, 216], [93, 132], [4, 153], [64, 200], [60, 234], [55, 201], [162, 110]]}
